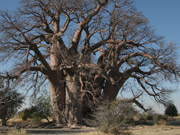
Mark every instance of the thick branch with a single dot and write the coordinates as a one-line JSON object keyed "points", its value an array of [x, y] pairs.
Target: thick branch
{"points": [[98, 70], [85, 21]]}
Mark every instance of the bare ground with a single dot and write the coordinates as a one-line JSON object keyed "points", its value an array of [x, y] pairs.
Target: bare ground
{"points": [[63, 131], [138, 130]]}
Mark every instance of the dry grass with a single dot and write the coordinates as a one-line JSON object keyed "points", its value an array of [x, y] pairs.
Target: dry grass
{"points": [[17, 132], [178, 117], [138, 130], [172, 129], [155, 130]]}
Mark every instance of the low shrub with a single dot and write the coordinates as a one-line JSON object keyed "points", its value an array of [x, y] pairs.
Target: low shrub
{"points": [[149, 117], [140, 120], [113, 117], [36, 119], [160, 117], [161, 120]]}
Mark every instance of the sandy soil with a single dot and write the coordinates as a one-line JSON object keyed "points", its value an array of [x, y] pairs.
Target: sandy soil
{"points": [[63, 131], [138, 130]]}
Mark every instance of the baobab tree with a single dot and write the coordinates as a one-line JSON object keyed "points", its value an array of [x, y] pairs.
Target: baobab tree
{"points": [[87, 50]]}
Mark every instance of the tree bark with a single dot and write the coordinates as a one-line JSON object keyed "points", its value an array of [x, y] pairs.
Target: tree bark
{"points": [[73, 107], [56, 86], [57, 93], [111, 90]]}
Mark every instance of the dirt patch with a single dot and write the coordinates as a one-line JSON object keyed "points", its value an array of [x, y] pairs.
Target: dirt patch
{"points": [[64, 131]]}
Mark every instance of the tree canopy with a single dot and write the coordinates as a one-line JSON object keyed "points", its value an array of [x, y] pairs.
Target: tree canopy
{"points": [[86, 50], [171, 110], [10, 102], [43, 106]]}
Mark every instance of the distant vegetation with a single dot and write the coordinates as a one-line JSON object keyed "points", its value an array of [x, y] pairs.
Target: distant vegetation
{"points": [[117, 117], [40, 110], [171, 110]]}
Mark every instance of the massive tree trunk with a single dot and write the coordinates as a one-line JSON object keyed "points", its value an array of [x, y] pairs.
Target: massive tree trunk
{"points": [[56, 86], [64, 91], [73, 107], [57, 93], [111, 90]]}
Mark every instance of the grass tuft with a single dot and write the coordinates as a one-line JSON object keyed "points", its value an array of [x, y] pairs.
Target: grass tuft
{"points": [[15, 132]]}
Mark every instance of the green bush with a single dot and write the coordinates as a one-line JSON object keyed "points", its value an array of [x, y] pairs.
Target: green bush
{"points": [[161, 120], [27, 113], [149, 117], [36, 119], [160, 117], [43, 107], [171, 110], [40, 110]]}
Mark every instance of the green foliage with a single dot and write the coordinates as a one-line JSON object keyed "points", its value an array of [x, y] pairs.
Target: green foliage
{"points": [[43, 105], [10, 102], [113, 117], [149, 117], [27, 113], [40, 110], [171, 110]]}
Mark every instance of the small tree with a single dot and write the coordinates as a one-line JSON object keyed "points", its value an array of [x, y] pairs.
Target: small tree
{"points": [[40, 110], [43, 107], [171, 110], [10, 102]]}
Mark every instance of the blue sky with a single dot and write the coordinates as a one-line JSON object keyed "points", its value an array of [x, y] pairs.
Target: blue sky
{"points": [[164, 17]]}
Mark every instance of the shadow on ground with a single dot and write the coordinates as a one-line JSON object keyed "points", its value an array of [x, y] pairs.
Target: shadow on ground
{"points": [[58, 131], [174, 123]]}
